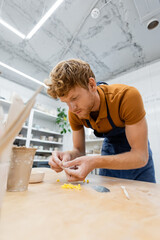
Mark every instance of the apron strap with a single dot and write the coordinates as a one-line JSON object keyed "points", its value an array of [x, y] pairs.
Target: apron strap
{"points": [[108, 114]]}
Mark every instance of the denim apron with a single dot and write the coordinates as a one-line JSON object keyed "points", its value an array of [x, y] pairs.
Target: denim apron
{"points": [[115, 142]]}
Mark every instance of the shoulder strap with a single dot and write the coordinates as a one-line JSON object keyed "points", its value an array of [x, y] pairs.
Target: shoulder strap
{"points": [[109, 116], [99, 83]]}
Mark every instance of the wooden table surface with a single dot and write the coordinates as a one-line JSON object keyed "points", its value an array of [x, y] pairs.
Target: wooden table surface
{"points": [[48, 212]]}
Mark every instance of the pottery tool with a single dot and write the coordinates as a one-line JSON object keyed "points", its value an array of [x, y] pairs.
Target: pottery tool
{"points": [[125, 192], [100, 188]]}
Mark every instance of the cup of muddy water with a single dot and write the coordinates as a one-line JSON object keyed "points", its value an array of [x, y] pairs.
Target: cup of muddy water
{"points": [[20, 168]]}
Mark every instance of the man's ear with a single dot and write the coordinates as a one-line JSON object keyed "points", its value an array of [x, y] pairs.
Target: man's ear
{"points": [[92, 84]]}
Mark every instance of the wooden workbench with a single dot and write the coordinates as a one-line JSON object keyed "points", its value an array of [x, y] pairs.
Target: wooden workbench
{"points": [[48, 212]]}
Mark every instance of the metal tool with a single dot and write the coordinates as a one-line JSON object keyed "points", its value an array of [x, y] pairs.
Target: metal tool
{"points": [[100, 188]]}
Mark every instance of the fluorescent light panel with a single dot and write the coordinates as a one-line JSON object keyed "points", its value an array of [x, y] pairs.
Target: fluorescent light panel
{"points": [[22, 74], [44, 18], [12, 29], [37, 26]]}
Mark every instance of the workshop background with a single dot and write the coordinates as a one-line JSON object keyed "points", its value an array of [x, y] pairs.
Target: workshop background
{"points": [[120, 39]]}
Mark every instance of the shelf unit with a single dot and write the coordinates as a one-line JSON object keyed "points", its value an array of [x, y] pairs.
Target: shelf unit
{"points": [[93, 148], [42, 141], [40, 131], [21, 138], [93, 144], [5, 102]]}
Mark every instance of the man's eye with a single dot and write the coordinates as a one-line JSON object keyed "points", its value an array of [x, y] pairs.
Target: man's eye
{"points": [[73, 99]]}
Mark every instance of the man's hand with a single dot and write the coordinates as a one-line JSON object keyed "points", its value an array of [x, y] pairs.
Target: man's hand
{"points": [[79, 168], [55, 161]]}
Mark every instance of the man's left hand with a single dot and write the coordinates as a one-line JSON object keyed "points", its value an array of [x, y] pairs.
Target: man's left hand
{"points": [[79, 168]]}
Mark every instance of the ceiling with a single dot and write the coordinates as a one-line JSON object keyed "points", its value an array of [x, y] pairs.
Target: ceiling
{"points": [[115, 42]]}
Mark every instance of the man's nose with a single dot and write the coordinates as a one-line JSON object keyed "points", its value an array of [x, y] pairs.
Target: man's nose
{"points": [[72, 106]]}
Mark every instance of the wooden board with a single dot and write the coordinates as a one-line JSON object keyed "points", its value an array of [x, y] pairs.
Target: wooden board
{"points": [[47, 212]]}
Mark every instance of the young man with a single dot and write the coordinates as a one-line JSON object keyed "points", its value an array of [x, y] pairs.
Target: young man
{"points": [[115, 112]]}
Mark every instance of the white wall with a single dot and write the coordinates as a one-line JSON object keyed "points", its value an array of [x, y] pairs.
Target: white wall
{"points": [[147, 81], [8, 88]]}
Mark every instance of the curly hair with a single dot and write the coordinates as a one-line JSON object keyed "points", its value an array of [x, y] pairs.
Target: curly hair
{"points": [[66, 75]]}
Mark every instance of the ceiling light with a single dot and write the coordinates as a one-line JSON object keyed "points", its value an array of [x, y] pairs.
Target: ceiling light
{"points": [[96, 12], [12, 29], [22, 74], [44, 18], [153, 23]]}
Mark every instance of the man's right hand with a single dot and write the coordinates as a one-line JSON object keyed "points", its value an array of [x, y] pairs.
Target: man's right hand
{"points": [[55, 161]]}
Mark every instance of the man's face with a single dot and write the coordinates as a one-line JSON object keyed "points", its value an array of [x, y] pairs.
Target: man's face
{"points": [[80, 101]]}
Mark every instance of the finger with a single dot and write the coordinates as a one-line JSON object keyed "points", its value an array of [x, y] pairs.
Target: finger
{"points": [[57, 169], [53, 164], [57, 160], [66, 158], [73, 179], [69, 164], [72, 172], [57, 154]]}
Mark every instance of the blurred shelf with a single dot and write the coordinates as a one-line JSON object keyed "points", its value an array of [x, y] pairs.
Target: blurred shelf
{"points": [[21, 138], [37, 112], [42, 141], [40, 160], [46, 131], [44, 115], [44, 151], [25, 127], [28, 129], [4, 103]]}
